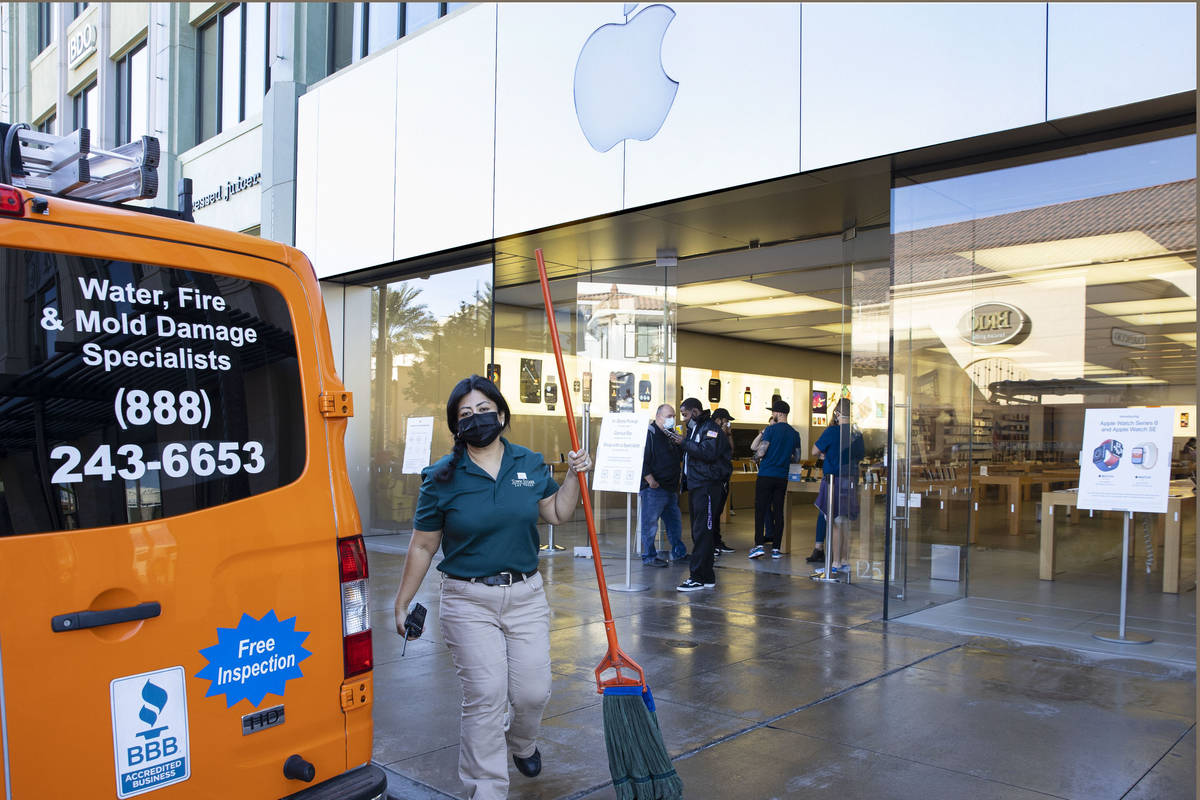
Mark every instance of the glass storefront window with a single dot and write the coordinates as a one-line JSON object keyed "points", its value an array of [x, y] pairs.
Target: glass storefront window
{"points": [[426, 335], [1023, 297]]}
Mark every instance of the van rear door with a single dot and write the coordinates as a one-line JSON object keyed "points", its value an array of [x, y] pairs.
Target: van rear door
{"points": [[168, 563]]}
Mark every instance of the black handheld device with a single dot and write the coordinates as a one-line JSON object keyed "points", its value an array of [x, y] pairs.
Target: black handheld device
{"points": [[414, 625]]}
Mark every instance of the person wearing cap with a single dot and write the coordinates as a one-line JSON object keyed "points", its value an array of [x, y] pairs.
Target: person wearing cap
{"points": [[774, 447], [842, 446], [707, 464], [723, 418]]}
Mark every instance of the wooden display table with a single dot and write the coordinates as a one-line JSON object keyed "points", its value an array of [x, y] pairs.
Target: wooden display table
{"points": [[1017, 489], [1168, 526]]}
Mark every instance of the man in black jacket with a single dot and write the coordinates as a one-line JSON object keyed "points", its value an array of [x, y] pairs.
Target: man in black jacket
{"points": [[707, 464], [659, 495]]}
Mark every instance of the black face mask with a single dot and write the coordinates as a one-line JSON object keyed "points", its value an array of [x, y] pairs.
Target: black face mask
{"points": [[480, 430]]}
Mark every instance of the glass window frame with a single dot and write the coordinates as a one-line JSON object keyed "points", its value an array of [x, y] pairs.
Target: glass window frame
{"points": [[364, 30], [79, 106], [45, 26], [124, 94], [217, 23]]}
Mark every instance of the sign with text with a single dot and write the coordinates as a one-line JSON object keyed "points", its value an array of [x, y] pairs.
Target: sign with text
{"points": [[418, 443], [619, 453], [1126, 460]]}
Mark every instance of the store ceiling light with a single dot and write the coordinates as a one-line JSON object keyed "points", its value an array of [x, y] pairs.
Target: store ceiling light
{"points": [[704, 294], [1145, 306], [776, 306], [1081, 251], [1170, 318], [1186, 338], [839, 328], [1127, 379]]}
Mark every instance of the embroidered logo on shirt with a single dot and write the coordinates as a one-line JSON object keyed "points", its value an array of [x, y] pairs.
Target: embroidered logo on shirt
{"points": [[522, 480], [521, 475]]}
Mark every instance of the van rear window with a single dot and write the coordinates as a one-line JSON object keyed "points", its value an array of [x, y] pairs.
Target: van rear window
{"points": [[131, 392]]}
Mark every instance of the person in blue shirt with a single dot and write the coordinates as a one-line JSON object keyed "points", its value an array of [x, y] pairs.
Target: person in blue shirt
{"points": [[842, 446], [481, 506], [775, 447]]}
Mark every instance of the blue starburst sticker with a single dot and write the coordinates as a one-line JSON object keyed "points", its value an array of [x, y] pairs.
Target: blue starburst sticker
{"points": [[257, 657]]}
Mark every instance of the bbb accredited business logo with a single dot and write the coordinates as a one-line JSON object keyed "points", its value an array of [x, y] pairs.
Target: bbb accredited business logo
{"points": [[150, 731]]}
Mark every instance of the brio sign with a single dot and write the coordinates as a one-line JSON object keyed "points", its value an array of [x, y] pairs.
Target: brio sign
{"points": [[81, 45], [992, 324]]}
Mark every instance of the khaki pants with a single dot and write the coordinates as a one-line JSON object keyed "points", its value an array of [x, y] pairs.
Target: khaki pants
{"points": [[499, 639]]}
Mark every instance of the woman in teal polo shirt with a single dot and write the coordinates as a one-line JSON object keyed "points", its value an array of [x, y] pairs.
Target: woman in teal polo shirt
{"points": [[481, 505]]}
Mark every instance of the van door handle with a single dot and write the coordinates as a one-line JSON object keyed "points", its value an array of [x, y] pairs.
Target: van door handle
{"points": [[110, 616]]}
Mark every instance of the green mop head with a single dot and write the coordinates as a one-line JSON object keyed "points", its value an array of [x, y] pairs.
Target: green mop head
{"points": [[637, 757]]}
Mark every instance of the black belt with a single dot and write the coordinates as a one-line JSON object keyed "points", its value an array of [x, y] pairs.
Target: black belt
{"points": [[499, 579]]}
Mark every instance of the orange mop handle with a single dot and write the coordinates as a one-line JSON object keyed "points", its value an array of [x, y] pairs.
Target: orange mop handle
{"points": [[615, 659]]}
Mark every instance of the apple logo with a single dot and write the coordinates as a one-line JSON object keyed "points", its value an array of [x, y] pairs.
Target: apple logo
{"points": [[621, 89]]}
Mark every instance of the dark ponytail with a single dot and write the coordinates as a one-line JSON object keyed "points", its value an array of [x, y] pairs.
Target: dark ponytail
{"points": [[443, 474], [461, 390]]}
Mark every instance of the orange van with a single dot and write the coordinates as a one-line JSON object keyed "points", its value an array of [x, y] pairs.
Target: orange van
{"points": [[182, 571]]}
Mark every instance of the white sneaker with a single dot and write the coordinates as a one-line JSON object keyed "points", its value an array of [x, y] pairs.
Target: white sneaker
{"points": [[776, 554], [756, 552], [689, 586]]}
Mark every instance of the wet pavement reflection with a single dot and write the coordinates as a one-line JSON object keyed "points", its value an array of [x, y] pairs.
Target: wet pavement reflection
{"points": [[772, 685]]}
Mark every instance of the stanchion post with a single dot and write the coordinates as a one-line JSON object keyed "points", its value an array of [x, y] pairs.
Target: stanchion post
{"points": [[1120, 636], [629, 586], [827, 577]]}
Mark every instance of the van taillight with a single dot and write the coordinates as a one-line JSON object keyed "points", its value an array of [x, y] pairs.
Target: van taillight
{"points": [[356, 605], [11, 204]]}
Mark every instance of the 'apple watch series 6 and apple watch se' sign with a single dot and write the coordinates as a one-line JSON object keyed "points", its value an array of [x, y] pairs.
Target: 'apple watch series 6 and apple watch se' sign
{"points": [[1120, 467]]}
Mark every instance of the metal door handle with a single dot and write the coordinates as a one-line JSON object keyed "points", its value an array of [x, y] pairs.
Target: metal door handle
{"points": [[111, 616]]}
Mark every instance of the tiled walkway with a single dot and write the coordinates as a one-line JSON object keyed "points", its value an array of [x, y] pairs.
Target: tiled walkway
{"points": [[772, 685]]}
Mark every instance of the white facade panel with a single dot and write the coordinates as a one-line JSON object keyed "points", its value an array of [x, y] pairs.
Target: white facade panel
{"points": [[736, 115], [1109, 54], [355, 164], [881, 78], [445, 135], [546, 171]]}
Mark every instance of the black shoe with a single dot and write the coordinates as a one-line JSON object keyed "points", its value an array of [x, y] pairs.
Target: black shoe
{"points": [[529, 767], [658, 562], [724, 548], [817, 555]]}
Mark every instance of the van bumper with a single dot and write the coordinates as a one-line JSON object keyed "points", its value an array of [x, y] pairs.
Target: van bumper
{"points": [[365, 783]]}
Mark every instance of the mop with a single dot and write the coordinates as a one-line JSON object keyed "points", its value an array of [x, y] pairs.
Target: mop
{"points": [[637, 757]]}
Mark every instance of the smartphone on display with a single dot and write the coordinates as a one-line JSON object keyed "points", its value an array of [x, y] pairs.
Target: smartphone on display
{"points": [[551, 392], [493, 373], [714, 390], [531, 380], [587, 387], [644, 390], [819, 401], [620, 391]]}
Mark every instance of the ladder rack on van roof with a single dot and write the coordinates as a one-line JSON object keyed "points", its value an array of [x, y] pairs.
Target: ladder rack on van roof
{"points": [[69, 166]]}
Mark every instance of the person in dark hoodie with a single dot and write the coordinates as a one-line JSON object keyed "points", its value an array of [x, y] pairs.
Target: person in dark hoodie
{"points": [[659, 495], [707, 464]]}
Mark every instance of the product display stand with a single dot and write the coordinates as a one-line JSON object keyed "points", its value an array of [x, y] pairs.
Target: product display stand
{"points": [[629, 585], [1121, 636]]}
